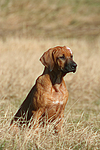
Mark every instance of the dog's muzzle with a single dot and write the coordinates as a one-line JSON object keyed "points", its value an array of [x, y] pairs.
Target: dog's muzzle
{"points": [[70, 67]]}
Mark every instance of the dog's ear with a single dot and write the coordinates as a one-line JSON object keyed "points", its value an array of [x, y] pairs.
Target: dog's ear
{"points": [[47, 59]]}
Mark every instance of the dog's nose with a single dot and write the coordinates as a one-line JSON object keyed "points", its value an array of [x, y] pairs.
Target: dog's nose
{"points": [[74, 65]]}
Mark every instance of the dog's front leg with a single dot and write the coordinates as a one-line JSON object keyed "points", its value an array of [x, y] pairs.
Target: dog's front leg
{"points": [[59, 123], [34, 123]]}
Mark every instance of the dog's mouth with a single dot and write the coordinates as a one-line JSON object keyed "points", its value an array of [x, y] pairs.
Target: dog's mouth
{"points": [[74, 70], [69, 69]]}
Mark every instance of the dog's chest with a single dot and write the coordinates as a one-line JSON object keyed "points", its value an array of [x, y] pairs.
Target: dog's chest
{"points": [[60, 95], [50, 95], [56, 101]]}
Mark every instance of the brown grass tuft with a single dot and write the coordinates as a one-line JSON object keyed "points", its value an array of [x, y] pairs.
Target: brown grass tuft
{"points": [[20, 66]]}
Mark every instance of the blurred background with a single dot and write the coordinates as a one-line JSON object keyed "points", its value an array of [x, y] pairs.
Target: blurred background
{"points": [[27, 29], [50, 18]]}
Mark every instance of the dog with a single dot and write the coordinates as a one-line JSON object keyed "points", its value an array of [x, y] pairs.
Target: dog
{"points": [[48, 97]]}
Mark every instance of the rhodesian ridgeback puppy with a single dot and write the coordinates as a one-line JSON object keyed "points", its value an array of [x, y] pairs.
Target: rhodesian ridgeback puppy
{"points": [[49, 95]]}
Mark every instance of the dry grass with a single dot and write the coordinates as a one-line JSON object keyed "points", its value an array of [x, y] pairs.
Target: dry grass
{"points": [[19, 67], [49, 18]]}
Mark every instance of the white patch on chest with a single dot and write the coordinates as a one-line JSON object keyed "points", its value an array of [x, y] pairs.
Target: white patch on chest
{"points": [[69, 49], [58, 102]]}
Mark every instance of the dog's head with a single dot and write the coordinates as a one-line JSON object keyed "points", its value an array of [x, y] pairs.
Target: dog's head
{"points": [[59, 57]]}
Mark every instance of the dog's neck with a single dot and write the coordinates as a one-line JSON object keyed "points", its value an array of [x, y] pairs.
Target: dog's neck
{"points": [[56, 76]]}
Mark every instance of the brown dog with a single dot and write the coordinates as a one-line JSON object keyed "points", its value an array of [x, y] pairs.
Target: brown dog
{"points": [[49, 95]]}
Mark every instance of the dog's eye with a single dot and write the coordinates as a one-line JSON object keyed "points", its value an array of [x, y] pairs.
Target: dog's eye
{"points": [[71, 56], [62, 57]]}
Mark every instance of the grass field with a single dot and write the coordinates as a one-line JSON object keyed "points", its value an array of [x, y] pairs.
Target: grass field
{"points": [[49, 18], [20, 66], [27, 29]]}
